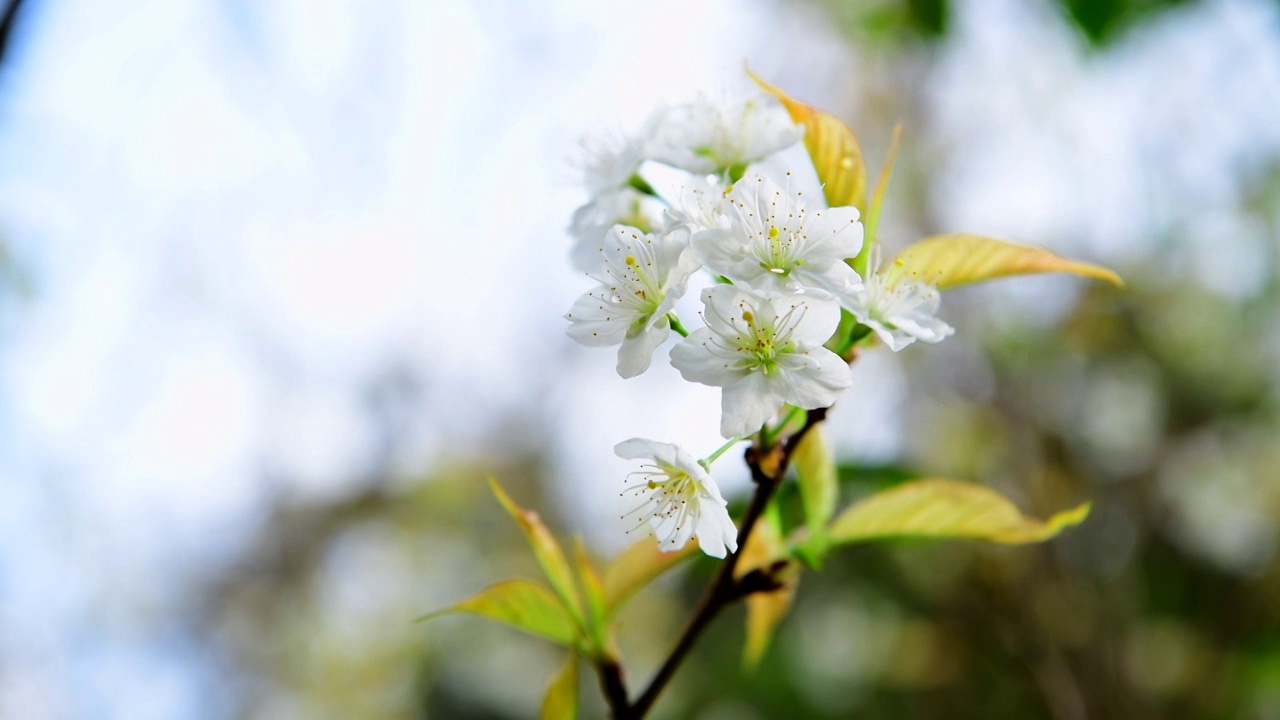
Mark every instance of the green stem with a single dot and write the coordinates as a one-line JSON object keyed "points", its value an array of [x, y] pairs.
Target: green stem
{"points": [[857, 333], [676, 325], [769, 437], [722, 450]]}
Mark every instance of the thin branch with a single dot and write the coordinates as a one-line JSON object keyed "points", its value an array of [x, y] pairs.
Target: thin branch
{"points": [[725, 589], [7, 23], [613, 685]]}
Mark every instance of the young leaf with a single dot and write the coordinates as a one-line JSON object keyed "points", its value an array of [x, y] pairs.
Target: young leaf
{"points": [[764, 609], [561, 700], [959, 259], [636, 567], [545, 548], [940, 508], [816, 475], [872, 221], [593, 588], [520, 603], [833, 148]]}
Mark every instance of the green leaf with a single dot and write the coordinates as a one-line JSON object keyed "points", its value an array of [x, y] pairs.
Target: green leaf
{"points": [[520, 603], [816, 476], [546, 549], [959, 259], [871, 222], [764, 609], [561, 700], [636, 567], [832, 146], [940, 508], [593, 588]]}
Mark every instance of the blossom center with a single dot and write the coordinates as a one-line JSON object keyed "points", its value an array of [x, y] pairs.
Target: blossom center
{"points": [[638, 287], [778, 256], [671, 494], [763, 344]]}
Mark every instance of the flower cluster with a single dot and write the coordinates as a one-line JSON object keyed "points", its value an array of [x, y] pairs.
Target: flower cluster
{"points": [[779, 271]]}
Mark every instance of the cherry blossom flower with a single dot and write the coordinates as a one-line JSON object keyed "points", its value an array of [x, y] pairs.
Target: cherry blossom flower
{"points": [[641, 276], [778, 242], [899, 309], [609, 163], [702, 205], [680, 499], [709, 137], [763, 353]]}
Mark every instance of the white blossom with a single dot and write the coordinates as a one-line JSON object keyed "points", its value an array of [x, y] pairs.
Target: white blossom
{"points": [[680, 498], [592, 222], [709, 137], [763, 353], [899, 309], [609, 163], [609, 160], [702, 205], [778, 242], [641, 276]]}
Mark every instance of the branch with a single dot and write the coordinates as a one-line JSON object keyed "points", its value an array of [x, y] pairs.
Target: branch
{"points": [[7, 23], [768, 468], [614, 687]]}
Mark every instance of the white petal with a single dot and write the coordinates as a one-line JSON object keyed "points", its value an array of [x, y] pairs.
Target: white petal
{"points": [[746, 405], [814, 320], [724, 305], [642, 448], [927, 329], [834, 233], [595, 321], [838, 279], [715, 529], [636, 351], [816, 379], [699, 360]]}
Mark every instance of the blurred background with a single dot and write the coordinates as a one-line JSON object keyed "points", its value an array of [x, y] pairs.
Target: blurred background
{"points": [[282, 283]]}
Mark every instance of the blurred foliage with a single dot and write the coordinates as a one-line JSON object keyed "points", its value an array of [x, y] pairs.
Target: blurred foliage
{"points": [[1103, 20], [1100, 21], [1159, 403]]}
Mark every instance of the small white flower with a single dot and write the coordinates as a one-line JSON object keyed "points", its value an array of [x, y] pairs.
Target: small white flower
{"points": [[764, 353], [641, 276], [778, 243], [900, 310], [592, 222], [610, 160], [701, 206], [708, 137], [680, 498]]}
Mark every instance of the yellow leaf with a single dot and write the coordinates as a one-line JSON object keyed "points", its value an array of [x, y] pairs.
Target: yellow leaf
{"points": [[832, 146], [636, 567], [940, 508], [816, 475], [959, 259], [561, 700], [545, 548], [520, 603], [764, 609], [764, 612]]}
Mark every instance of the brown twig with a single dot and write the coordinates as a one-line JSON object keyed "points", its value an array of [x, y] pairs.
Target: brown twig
{"points": [[768, 467], [612, 683]]}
